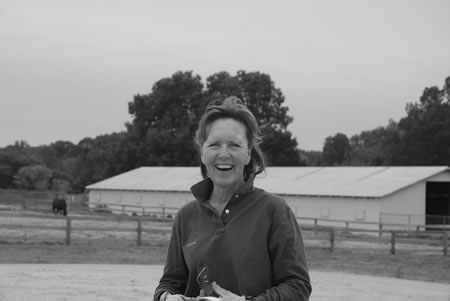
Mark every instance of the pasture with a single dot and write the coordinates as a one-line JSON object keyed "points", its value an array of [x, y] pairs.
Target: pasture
{"points": [[113, 258], [88, 282], [41, 238]]}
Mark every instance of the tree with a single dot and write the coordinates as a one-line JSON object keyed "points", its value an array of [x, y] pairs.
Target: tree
{"points": [[375, 147], [33, 177], [96, 160], [425, 131], [311, 158], [280, 148], [420, 138], [164, 123], [265, 101], [61, 181], [53, 154], [6, 175], [257, 91], [161, 132], [12, 158], [336, 149]]}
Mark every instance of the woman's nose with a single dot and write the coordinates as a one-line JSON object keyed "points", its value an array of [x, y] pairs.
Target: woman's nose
{"points": [[224, 152]]}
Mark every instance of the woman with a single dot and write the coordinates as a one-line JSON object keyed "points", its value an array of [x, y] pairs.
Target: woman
{"points": [[235, 241]]}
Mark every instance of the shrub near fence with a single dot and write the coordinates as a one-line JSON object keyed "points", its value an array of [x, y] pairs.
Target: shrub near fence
{"points": [[40, 201]]}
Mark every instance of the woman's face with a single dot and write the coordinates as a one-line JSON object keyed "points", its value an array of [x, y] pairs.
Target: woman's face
{"points": [[225, 152]]}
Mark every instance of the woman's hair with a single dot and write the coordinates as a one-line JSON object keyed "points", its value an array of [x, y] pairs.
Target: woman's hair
{"points": [[232, 107]]}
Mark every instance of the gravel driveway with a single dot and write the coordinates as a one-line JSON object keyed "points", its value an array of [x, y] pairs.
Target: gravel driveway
{"points": [[90, 282]]}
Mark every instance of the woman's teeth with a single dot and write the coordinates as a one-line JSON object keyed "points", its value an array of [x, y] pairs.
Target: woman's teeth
{"points": [[224, 167]]}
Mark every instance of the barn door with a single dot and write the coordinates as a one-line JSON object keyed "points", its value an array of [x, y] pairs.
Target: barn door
{"points": [[438, 203]]}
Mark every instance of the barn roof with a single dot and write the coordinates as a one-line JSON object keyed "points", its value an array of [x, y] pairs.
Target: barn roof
{"points": [[365, 182]]}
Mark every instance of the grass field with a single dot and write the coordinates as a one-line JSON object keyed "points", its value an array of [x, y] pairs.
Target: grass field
{"points": [[358, 254], [411, 266], [109, 265], [117, 282], [112, 250]]}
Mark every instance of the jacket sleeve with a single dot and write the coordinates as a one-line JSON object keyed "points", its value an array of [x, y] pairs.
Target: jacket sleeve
{"points": [[175, 275], [291, 281]]}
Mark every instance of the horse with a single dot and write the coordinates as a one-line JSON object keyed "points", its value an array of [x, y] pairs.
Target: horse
{"points": [[59, 206]]}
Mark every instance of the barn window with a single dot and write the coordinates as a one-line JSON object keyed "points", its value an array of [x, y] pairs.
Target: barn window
{"points": [[360, 214], [324, 212]]}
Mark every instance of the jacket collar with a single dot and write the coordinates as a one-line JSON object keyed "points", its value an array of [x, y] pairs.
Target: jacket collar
{"points": [[202, 190]]}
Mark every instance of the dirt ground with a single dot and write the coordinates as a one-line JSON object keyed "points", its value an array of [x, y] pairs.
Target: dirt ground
{"points": [[94, 282], [108, 265]]}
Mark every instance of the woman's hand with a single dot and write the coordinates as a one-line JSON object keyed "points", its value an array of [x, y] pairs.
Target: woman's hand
{"points": [[226, 295], [177, 297]]}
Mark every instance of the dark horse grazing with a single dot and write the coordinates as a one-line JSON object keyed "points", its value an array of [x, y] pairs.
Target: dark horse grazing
{"points": [[59, 206]]}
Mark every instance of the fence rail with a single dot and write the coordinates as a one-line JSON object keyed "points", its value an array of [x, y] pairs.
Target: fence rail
{"points": [[160, 211], [382, 224], [410, 218], [22, 222], [380, 227]]}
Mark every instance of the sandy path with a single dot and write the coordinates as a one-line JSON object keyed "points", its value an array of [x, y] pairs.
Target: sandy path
{"points": [[55, 282]]}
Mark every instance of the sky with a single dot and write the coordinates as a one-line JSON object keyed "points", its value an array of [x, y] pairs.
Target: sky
{"points": [[68, 69]]}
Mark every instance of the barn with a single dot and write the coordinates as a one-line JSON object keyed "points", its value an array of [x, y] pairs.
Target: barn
{"points": [[398, 195]]}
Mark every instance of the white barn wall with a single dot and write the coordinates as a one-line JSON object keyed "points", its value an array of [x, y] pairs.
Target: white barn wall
{"points": [[409, 201], [374, 195], [348, 209], [407, 206], [138, 198]]}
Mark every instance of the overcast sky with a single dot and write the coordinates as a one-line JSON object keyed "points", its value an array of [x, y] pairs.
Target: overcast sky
{"points": [[69, 68]]}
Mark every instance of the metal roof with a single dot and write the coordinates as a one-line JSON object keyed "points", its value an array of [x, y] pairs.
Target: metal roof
{"points": [[363, 182]]}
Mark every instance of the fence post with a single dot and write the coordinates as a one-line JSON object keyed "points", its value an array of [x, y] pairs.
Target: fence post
{"points": [[409, 222], [380, 228], [445, 242], [68, 229], [331, 239], [123, 209], [392, 242], [164, 211], [139, 232]]}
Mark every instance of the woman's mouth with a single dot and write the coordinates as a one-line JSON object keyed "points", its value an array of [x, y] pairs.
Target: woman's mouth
{"points": [[224, 167]]}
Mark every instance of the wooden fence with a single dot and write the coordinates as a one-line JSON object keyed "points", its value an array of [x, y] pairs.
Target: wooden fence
{"points": [[21, 222], [439, 235], [125, 209], [379, 226], [147, 224]]}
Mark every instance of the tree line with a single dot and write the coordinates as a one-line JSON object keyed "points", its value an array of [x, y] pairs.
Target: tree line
{"points": [[164, 122]]}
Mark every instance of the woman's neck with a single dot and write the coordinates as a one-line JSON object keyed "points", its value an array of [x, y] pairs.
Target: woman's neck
{"points": [[221, 195]]}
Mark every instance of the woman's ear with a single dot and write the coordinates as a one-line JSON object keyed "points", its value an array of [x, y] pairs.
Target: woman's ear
{"points": [[249, 157], [201, 156]]}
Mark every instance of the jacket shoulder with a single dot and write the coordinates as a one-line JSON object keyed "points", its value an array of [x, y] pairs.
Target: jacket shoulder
{"points": [[272, 200]]}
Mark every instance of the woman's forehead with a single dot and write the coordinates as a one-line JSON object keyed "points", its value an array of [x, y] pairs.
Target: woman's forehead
{"points": [[226, 127]]}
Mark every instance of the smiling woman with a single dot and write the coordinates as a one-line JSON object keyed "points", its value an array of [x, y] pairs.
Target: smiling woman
{"points": [[209, 252], [232, 109], [225, 153]]}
